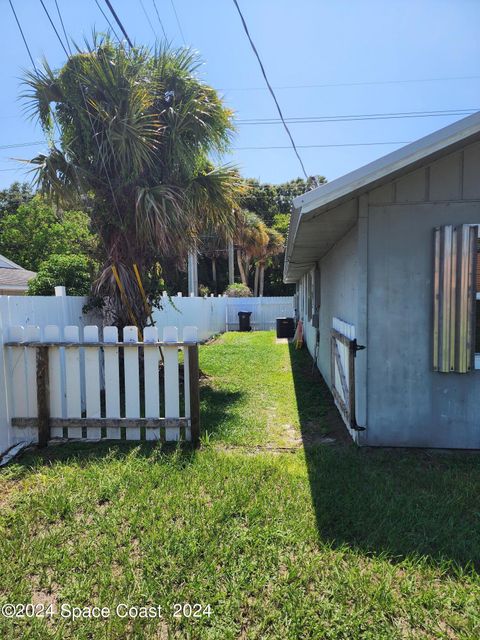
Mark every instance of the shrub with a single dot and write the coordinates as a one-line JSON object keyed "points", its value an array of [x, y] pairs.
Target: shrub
{"points": [[238, 290], [73, 272]]}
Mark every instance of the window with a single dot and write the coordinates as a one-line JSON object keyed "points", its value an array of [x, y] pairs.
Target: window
{"points": [[310, 295]]}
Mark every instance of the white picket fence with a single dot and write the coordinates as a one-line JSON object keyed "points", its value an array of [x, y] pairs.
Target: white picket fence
{"points": [[210, 315], [83, 391]]}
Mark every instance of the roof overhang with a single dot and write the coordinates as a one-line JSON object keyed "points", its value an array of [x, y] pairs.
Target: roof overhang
{"points": [[322, 216]]}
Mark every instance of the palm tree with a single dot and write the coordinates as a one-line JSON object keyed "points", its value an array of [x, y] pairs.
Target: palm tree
{"points": [[136, 131], [273, 247], [250, 235], [213, 246]]}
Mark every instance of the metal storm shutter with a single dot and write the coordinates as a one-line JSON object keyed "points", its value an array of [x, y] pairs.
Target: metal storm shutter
{"points": [[454, 298]]}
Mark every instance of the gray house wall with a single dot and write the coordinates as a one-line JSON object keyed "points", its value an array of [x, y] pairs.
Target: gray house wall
{"points": [[338, 298], [408, 403], [339, 289], [378, 277]]}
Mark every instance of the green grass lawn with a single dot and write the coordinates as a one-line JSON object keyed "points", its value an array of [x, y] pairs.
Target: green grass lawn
{"points": [[323, 542], [249, 394]]}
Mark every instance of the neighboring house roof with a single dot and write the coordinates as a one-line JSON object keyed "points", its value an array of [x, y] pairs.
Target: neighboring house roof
{"points": [[13, 276], [372, 175]]}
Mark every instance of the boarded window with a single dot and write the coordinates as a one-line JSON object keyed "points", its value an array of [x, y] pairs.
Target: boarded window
{"points": [[454, 298], [477, 315]]}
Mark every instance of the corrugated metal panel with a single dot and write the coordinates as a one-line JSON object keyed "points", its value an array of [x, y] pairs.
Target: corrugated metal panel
{"points": [[454, 297], [478, 266]]}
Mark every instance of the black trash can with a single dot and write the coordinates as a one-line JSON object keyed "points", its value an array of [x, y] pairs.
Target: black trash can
{"points": [[244, 320], [285, 327]]}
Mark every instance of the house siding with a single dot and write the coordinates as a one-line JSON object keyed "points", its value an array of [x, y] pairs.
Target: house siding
{"points": [[338, 297], [408, 403], [378, 277]]}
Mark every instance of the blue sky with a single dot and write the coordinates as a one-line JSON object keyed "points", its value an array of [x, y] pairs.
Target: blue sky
{"points": [[302, 42]]}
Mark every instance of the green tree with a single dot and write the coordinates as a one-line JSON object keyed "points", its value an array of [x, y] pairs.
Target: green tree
{"points": [[272, 203], [267, 200], [72, 271], [137, 129], [273, 247], [12, 197], [38, 230], [250, 236]]}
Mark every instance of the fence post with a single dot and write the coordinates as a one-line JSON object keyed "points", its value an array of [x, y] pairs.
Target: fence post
{"points": [[194, 378], [43, 409]]}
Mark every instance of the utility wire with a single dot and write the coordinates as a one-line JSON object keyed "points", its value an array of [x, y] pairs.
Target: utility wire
{"points": [[23, 36], [159, 19], [270, 87], [54, 27], [22, 144], [69, 52], [348, 118], [357, 117], [178, 21], [320, 146], [354, 84], [118, 21], [108, 21], [308, 146], [148, 18]]}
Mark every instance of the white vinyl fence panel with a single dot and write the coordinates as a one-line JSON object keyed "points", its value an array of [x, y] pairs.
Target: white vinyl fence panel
{"points": [[217, 315]]}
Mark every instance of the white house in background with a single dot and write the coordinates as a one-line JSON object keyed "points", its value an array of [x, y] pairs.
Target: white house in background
{"points": [[385, 260], [13, 278]]}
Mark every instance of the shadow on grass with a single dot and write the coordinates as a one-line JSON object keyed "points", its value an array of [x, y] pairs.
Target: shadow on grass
{"points": [[398, 503], [83, 453], [216, 406]]}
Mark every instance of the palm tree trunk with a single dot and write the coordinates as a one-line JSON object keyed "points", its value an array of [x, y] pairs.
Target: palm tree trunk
{"points": [[246, 267], [262, 279], [214, 274], [255, 285], [240, 267]]}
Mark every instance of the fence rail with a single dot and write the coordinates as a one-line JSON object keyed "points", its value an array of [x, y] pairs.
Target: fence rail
{"points": [[62, 387]]}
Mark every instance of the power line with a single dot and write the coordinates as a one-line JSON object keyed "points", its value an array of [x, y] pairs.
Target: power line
{"points": [[178, 21], [300, 146], [159, 19], [108, 21], [118, 21], [358, 117], [270, 88], [23, 36], [85, 105], [321, 146], [54, 27], [355, 84], [22, 144], [349, 117], [147, 17]]}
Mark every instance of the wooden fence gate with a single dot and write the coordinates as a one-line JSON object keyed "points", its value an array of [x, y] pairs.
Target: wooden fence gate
{"points": [[62, 387], [343, 351]]}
